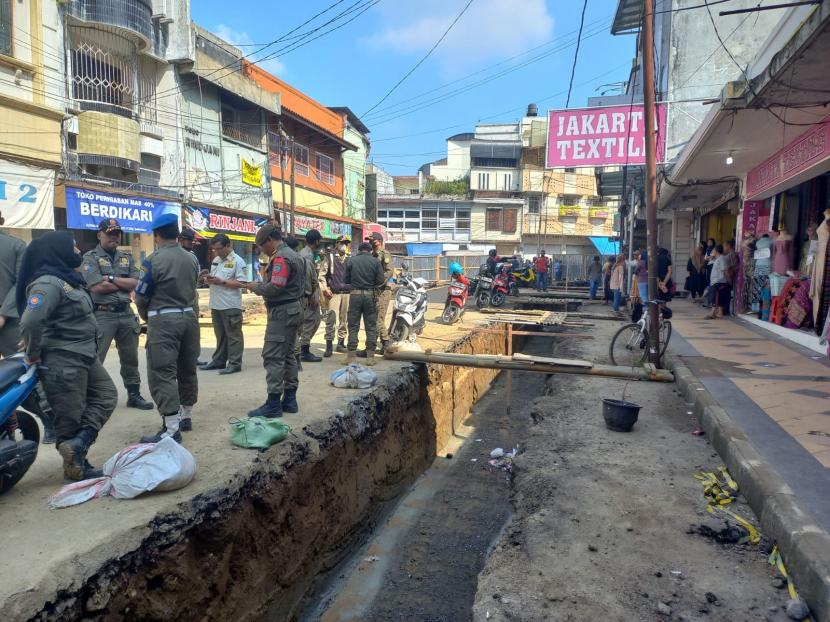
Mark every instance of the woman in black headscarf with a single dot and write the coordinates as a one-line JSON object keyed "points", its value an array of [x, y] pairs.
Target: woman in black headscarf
{"points": [[60, 335]]}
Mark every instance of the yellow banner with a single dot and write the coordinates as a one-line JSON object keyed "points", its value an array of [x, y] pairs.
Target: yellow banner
{"points": [[251, 174], [598, 212], [568, 211]]}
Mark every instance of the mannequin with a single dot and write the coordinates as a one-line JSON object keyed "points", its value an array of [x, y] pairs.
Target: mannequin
{"points": [[763, 255], [808, 250], [783, 258], [818, 292]]}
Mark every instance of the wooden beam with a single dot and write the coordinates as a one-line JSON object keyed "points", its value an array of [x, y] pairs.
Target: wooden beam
{"points": [[498, 361]]}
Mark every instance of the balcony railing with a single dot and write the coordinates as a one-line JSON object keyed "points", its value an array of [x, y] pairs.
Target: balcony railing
{"points": [[133, 15], [242, 134]]}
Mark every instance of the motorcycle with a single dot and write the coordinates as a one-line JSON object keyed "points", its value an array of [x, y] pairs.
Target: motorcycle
{"points": [[484, 284], [456, 300], [501, 288], [525, 277], [19, 433], [409, 310]]}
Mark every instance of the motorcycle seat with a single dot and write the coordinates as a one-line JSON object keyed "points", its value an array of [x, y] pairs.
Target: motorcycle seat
{"points": [[10, 372]]}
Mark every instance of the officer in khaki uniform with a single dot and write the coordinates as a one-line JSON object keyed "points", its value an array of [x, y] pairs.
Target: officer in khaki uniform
{"points": [[11, 254], [60, 332], [281, 288], [385, 258], [164, 298], [364, 274], [311, 299], [112, 275], [335, 295]]}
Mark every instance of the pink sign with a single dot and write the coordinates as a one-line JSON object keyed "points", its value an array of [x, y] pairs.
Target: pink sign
{"points": [[610, 135], [812, 147], [753, 217]]}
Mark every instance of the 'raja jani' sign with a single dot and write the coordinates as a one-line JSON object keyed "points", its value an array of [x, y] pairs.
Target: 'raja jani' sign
{"points": [[604, 136]]}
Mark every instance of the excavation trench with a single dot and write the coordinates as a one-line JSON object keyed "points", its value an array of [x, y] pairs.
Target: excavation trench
{"points": [[259, 546]]}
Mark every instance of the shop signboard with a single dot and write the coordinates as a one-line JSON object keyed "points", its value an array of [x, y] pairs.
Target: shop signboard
{"points": [[85, 208], [755, 219], [599, 213], [601, 136], [569, 211], [27, 196], [808, 150], [328, 228], [208, 222], [251, 174]]}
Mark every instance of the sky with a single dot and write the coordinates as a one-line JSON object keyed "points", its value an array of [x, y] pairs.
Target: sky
{"points": [[500, 56]]}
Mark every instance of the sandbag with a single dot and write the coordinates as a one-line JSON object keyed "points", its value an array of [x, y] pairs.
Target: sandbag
{"points": [[354, 376], [258, 432], [134, 470]]}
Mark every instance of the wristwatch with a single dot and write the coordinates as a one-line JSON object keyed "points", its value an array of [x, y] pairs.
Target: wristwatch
{"points": [[111, 278]]}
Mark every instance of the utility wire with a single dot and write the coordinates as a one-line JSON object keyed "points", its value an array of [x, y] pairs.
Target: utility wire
{"points": [[576, 53], [420, 62]]}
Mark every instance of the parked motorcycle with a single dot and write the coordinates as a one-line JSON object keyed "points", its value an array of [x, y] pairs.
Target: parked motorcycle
{"points": [[456, 300], [525, 277], [484, 285], [409, 310], [19, 434]]}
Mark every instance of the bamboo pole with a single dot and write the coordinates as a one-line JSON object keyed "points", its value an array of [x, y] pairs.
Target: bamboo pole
{"points": [[490, 361], [509, 373]]}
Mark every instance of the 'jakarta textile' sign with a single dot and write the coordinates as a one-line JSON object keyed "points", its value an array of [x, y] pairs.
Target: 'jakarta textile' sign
{"points": [[327, 228], [27, 196], [610, 135], [207, 223], [86, 208]]}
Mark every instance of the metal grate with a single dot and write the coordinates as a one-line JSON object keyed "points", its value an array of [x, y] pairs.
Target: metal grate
{"points": [[134, 15], [103, 76]]}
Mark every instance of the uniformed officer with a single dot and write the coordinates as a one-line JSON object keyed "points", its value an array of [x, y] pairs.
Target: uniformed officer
{"points": [[11, 254], [311, 298], [187, 240], [111, 276], [376, 239], [365, 275], [227, 277], [336, 295], [164, 297], [59, 331], [281, 288]]}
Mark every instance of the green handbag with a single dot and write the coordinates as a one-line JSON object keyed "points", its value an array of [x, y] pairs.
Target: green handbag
{"points": [[258, 432]]}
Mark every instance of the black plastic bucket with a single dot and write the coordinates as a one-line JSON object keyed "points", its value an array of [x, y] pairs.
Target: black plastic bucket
{"points": [[620, 416]]}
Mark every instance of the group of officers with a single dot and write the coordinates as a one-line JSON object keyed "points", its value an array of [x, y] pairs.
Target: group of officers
{"points": [[65, 310]]}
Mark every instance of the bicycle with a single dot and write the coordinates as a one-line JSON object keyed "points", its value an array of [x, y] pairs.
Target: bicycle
{"points": [[629, 346]]}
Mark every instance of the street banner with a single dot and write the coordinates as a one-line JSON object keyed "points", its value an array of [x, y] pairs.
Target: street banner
{"points": [[208, 222], [27, 196], [604, 136], [251, 174], [86, 208], [328, 228]]}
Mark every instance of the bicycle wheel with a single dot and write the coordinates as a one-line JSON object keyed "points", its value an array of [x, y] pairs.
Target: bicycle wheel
{"points": [[629, 347], [665, 336]]}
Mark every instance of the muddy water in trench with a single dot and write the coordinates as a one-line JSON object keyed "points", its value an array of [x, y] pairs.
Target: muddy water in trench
{"points": [[423, 562]]}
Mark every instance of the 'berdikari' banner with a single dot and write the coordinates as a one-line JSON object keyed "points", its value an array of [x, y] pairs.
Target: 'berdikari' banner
{"points": [[606, 136], [86, 208]]}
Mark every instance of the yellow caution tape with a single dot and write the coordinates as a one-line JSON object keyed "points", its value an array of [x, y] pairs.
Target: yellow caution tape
{"points": [[720, 493], [776, 560]]}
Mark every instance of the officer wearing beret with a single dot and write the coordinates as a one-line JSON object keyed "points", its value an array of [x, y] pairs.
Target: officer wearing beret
{"points": [[164, 297], [364, 273], [111, 276], [282, 287]]}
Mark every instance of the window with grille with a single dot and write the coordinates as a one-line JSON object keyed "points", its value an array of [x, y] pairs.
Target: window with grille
{"points": [[508, 181], [510, 219], [484, 181], [494, 219], [300, 160], [534, 205], [325, 169], [102, 76], [503, 220], [6, 27]]}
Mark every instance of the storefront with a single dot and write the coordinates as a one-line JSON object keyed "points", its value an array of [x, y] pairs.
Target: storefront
{"points": [[785, 236], [240, 227], [27, 199], [86, 207]]}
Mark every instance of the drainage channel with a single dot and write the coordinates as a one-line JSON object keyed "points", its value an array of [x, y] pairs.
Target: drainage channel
{"points": [[423, 562]]}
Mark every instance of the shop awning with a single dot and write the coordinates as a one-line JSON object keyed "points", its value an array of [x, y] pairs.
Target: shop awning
{"points": [[420, 250], [752, 122], [606, 246]]}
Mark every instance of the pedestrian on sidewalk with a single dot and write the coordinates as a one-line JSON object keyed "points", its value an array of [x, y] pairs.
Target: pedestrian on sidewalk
{"points": [[731, 272], [365, 275], [665, 284], [696, 267], [336, 296], [311, 300], [718, 285], [59, 329], [282, 287], [594, 277], [617, 281], [165, 297], [642, 276], [542, 270], [228, 274]]}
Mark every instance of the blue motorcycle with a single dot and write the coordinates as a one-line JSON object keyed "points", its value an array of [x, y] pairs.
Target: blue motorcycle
{"points": [[19, 432]]}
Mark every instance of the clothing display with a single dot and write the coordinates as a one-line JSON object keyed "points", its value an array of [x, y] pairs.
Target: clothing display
{"points": [[783, 254], [819, 290], [763, 255], [800, 311]]}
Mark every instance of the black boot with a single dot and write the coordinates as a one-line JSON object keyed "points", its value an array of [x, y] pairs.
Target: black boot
{"points": [[271, 409], [299, 363], [289, 401], [73, 452], [341, 346], [329, 349], [134, 399], [170, 427], [307, 356], [361, 354], [384, 343]]}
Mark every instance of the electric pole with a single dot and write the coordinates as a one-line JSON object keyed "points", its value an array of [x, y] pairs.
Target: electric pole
{"points": [[651, 179], [283, 155]]}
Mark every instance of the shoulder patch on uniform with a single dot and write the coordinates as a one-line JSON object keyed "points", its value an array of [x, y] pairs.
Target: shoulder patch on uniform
{"points": [[125, 261], [86, 267], [35, 300], [103, 261], [67, 287]]}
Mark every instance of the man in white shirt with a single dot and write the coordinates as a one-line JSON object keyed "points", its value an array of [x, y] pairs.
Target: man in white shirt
{"points": [[227, 278]]}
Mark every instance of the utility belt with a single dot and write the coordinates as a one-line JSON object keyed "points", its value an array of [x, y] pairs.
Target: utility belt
{"points": [[279, 303], [367, 292], [167, 310], [118, 307]]}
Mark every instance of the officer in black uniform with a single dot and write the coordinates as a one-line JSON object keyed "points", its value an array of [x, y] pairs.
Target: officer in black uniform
{"points": [[111, 276]]}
